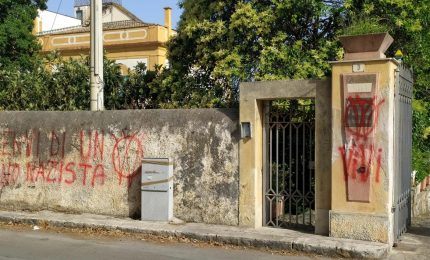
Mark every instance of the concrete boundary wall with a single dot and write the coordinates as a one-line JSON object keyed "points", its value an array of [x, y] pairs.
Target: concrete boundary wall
{"points": [[90, 161], [420, 199]]}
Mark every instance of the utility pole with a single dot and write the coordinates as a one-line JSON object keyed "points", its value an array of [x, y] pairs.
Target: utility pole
{"points": [[97, 84]]}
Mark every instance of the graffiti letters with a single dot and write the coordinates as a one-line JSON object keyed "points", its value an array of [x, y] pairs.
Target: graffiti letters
{"points": [[60, 158], [359, 152]]}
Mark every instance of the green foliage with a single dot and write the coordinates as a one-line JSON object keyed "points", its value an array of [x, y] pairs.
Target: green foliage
{"points": [[139, 92], [222, 43], [113, 85], [17, 44], [23, 90], [408, 22], [421, 139], [68, 82], [68, 85], [363, 25], [295, 110]]}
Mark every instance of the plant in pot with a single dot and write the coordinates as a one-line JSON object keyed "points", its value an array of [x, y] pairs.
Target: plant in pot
{"points": [[365, 38]]}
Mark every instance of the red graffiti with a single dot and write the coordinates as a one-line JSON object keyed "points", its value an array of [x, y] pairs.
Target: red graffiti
{"points": [[99, 173], [57, 144], [357, 162], [10, 146], [9, 174], [99, 142], [43, 157], [6, 147], [85, 156], [127, 155], [29, 143], [29, 171], [94, 145], [85, 167], [60, 172], [40, 172], [51, 172], [359, 153], [16, 147], [361, 116], [70, 170]]}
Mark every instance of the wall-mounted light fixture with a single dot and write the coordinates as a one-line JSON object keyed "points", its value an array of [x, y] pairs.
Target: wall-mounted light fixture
{"points": [[246, 131]]}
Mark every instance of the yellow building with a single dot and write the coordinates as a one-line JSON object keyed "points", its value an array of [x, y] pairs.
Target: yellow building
{"points": [[127, 39]]}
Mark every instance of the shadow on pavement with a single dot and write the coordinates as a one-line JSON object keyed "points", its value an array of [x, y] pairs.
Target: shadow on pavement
{"points": [[419, 230]]}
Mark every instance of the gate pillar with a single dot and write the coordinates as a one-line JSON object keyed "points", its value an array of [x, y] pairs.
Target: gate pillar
{"points": [[363, 113], [252, 98]]}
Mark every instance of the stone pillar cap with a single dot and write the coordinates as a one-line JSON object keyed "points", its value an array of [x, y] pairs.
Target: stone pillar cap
{"points": [[366, 46]]}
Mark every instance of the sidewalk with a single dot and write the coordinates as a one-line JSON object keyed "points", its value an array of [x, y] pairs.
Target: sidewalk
{"points": [[414, 245], [280, 239]]}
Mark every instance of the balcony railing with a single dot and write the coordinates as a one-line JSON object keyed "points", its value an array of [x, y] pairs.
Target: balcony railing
{"points": [[79, 3]]}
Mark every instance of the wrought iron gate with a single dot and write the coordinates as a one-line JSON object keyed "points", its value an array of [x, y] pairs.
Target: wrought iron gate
{"points": [[403, 151], [289, 170]]}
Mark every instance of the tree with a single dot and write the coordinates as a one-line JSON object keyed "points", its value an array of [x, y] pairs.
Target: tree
{"points": [[69, 83], [221, 43], [24, 89], [18, 46], [66, 81], [139, 90], [409, 23]]}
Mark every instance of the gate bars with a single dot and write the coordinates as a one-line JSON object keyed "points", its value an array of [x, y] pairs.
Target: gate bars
{"points": [[289, 172]]}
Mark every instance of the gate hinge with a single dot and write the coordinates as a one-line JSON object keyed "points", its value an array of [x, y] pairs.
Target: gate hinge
{"points": [[393, 209]]}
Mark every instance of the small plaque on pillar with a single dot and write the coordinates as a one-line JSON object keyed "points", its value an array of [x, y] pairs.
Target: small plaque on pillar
{"points": [[358, 67]]}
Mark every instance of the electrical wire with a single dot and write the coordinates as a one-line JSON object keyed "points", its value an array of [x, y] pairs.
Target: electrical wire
{"points": [[55, 18]]}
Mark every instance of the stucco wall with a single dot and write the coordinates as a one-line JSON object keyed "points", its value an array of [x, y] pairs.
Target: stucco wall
{"points": [[90, 161], [53, 21], [420, 200]]}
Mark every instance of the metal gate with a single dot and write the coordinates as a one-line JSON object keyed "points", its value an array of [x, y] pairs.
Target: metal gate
{"points": [[403, 151], [289, 170]]}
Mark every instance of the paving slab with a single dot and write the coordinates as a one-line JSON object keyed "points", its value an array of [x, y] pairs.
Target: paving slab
{"points": [[281, 239], [415, 244]]}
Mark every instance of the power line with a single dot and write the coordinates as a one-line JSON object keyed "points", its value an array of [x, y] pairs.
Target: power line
{"points": [[55, 18]]}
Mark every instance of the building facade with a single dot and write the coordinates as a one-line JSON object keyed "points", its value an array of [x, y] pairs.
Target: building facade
{"points": [[127, 39], [48, 20]]}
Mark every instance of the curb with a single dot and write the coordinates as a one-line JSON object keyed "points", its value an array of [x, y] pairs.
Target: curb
{"points": [[330, 247]]}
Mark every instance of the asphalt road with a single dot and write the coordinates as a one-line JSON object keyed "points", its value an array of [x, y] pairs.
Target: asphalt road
{"points": [[45, 245]]}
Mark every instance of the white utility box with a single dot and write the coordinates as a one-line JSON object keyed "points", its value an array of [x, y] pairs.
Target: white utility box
{"points": [[157, 189]]}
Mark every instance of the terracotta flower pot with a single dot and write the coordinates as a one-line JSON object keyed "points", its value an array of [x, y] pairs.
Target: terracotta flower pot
{"points": [[366, 46], [278, 208]]}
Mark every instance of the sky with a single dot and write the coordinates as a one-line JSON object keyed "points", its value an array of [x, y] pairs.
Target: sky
{"points": [[150, 11]]}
